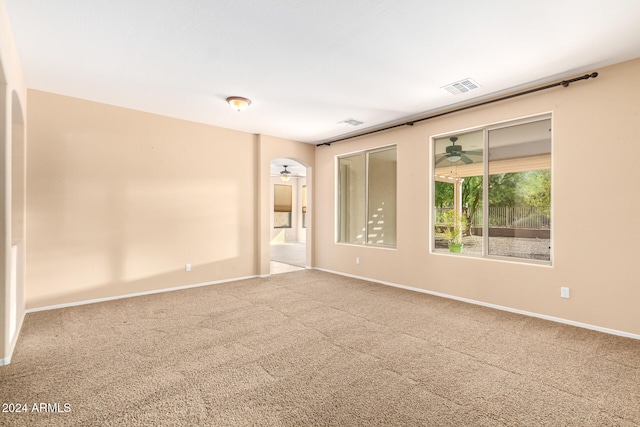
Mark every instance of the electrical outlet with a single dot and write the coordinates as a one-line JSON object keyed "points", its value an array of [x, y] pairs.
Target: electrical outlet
{"points": [[564, 292], [357, 260], [187, 267]]}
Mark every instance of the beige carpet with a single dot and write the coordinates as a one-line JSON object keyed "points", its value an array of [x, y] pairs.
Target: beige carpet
{"points": [[311, 348]]}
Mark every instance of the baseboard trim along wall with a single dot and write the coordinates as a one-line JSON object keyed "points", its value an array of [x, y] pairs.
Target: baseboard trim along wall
{"points": [[155, 291], [497, 307]]}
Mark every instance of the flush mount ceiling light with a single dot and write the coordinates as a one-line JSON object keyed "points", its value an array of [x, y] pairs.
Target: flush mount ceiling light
{"points": [[238, 102], [285, 174]]}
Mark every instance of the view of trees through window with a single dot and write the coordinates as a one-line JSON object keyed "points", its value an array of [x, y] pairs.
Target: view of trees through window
{"points": [[514, 210]]}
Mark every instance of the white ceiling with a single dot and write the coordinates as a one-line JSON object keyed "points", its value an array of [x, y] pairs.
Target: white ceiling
{"points": [[308, 65]]}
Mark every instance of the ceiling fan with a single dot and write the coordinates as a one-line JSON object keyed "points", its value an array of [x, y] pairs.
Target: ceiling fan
{"points": [[454, 153]]}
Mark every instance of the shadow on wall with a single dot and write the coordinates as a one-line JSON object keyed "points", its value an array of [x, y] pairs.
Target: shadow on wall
{"points": [[137, 236], [121, 200]]}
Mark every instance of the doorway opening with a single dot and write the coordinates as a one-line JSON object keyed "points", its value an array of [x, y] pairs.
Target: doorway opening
{"points": [[288, 239]]}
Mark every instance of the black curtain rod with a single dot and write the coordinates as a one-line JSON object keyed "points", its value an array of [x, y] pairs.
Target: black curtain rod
{"points": [[563, 83]]}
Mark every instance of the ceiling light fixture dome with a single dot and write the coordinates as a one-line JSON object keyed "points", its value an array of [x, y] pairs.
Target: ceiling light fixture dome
{"points": [[285, 174], [238, 103]]}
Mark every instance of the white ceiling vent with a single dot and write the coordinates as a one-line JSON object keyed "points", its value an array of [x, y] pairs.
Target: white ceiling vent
{"points": [[462, 86], [352, 122]]}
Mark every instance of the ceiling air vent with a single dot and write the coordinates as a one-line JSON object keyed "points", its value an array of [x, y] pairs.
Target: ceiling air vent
{"points": [[462, 86], [352, 122]]}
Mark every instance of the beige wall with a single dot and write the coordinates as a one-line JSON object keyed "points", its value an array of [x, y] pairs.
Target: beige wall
{"points": [[596, 124], [119, 201], [12, 190]]}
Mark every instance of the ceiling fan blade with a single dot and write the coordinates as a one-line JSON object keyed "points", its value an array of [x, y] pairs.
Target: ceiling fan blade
{"points": [[441, 159], [465, 159], [473, 153]]}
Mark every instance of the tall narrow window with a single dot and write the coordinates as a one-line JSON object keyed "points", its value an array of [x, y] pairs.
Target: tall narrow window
{"points": [[352, 189], [459, 166], [304, 206], [282, 206], [367, 197], [519, 194], [496, 205]]}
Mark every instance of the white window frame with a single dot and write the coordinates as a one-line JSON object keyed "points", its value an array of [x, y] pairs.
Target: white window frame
{"points": [[485, 190], [337, 193]]}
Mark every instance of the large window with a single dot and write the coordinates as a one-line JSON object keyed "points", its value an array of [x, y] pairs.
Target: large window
{"points": [[282, 206], [499, 204], [367, 197]]}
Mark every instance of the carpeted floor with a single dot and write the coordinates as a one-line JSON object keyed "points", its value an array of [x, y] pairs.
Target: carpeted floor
{"points": [[312, 348]]}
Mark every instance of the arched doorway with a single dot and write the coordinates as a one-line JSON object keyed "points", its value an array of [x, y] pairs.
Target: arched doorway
{"points": [[289, 216]]}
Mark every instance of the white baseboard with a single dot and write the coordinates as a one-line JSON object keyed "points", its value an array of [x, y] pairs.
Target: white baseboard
{"points": [[497, 307], [137, 294]]}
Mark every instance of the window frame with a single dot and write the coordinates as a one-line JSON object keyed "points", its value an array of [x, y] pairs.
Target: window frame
{"points": [[338, 197], [485, 190], [290, 205], [303, 202]]}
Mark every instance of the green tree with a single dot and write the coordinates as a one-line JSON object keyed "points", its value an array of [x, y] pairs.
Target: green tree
{"points": [[471, 199], [503, 189], [444, 194], [536, 188]]}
